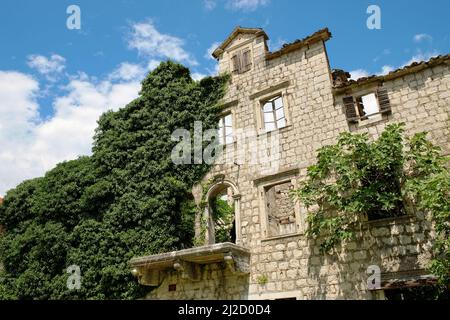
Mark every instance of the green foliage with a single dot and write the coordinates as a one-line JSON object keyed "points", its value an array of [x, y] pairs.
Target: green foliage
{"points": [[429, 186], [351, 179], [205, 187], [358, 177], [224, 217], [263, 279], [128, 199]]}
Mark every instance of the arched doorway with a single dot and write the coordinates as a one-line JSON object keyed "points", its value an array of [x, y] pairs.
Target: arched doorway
{"points": [[222, 214]]}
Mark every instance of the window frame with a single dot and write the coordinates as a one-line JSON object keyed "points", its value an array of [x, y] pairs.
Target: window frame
{"points": [[223, 140], [351, 105], [358, 100], [261, 122], [237, 60], [264, 213]]}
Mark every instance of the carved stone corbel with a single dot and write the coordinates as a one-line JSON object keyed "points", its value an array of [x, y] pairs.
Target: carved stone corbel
{"points": [[235, 265], [187, 270]]}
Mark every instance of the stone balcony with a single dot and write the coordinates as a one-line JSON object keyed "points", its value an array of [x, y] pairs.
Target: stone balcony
{"points": [[151, 270]]}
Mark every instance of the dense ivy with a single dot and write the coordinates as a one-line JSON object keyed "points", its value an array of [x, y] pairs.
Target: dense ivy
{"points": [[128, 199], [383, 178], [223, 214]]}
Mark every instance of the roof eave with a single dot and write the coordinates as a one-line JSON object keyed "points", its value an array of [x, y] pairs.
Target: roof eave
{"points": [[413, 68], [321, 35], [256, 31]]}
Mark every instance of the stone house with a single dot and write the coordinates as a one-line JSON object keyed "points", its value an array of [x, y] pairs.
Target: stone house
{"points": [[293, 99]]}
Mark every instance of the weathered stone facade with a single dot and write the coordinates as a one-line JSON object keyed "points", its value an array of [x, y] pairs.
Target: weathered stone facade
{"points": [[283, 262]]}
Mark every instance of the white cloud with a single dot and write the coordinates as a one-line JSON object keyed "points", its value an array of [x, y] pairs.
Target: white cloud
{"points": [[128, 71], [209, 4], [386, 69], [276, 45], [153, 64], [243, 5], [422, 37], [418, 57], [197, 76], [247, 5], [30, 145], [211, 49], [68, 134], [359, 73], [421, 56], [149, 42], [19, 114], [49, 67]]}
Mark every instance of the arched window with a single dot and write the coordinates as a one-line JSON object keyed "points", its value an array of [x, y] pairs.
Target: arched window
{"points": [[222, 214]]}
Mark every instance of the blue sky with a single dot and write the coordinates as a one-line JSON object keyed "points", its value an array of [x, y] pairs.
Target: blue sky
{"points": [[55, 82]]}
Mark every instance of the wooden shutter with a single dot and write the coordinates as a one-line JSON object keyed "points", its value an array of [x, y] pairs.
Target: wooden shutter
{"points": [[350, 111], [246, 61], [236, 63], [383, 100]]}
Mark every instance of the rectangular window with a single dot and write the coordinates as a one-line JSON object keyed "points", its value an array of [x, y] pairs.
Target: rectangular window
{"points": [[246, 61], [225, 134], [419, 293], [273, 114], [236, 63], [241, 61], [367, 106]]}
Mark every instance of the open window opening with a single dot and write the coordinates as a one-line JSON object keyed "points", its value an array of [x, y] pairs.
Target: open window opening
{"points": [[367, 106], [222, 208], [221, 215], [419, 293]]}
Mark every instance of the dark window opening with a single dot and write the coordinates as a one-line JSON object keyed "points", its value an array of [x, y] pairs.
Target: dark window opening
{"points": [[425, 293], [172, 287], [383, 183]]}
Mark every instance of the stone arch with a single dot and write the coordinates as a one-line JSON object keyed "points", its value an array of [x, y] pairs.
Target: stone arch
{"points": [[215, 190]]}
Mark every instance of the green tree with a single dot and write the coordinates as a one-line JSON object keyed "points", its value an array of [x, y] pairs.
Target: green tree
{"points": [[357, 177], [128, 199]]}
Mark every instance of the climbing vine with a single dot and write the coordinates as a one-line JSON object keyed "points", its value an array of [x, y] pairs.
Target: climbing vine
{"points": [[223, 213], [357, 177], [128, 199]]}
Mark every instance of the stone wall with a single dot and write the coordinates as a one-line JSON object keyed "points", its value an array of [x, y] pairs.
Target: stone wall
{"points": [[295, 266], [292, 264], [421, 100], [215, 283]]}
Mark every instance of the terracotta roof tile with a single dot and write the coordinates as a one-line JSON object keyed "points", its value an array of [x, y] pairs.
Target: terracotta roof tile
{"points": [[321, 35], [412, 68]]}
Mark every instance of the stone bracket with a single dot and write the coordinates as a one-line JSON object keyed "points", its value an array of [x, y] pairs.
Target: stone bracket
{"points": [[189, 264], [236, 266], [187, 270]]}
